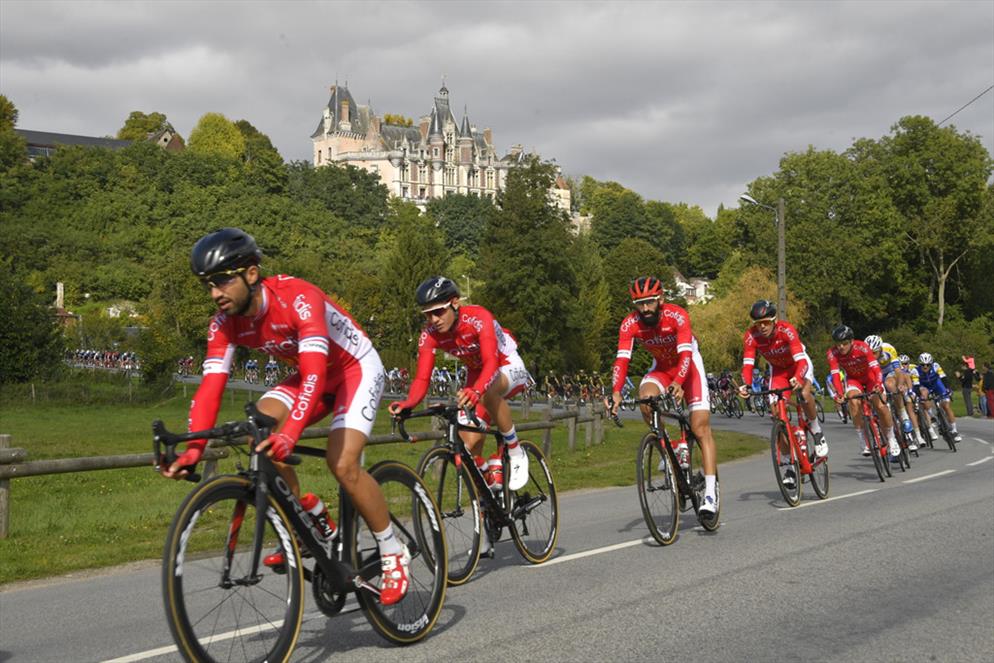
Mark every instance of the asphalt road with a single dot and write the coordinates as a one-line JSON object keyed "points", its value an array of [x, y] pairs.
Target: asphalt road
{"points": [[894, 571]]}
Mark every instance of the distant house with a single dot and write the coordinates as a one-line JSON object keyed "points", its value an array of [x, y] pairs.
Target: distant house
{"points": [[168, 139], [44, 143], [695, 290]]}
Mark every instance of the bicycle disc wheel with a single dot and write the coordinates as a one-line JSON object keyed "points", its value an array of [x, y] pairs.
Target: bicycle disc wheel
{"points": [[457, 500], [782, 463], [873, 443], [819, 473], [215, 609], [409, 501], [698, 484], [534, 509], [657, 490]]}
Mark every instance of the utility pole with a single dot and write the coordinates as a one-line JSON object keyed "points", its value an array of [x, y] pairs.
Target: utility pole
{"points": [[781, 259]]}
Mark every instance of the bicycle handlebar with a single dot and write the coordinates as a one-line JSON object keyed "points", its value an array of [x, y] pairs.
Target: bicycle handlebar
{"points": [[448, 412], [256, 426]]}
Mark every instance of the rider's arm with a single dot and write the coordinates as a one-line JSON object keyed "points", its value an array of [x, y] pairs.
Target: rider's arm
{"points": [[797, 352], [422, 376], [833, 365], [312, 357], [748, 357], [684, 347], [488, 353], [217, 366], [626, 342]]}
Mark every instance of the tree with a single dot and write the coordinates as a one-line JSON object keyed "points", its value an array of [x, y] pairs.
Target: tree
{"points": [[263, 164], [462, 218], [348, 192], [13, 148], [217, 135], [397, 120], [937, 179], [140, 126], [529, 282], [8, 113], [32, 342]]}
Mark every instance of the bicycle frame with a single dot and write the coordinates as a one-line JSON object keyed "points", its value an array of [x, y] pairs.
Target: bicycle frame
{"points": [[780, 414], [266, 481], [659, 405], [871, 417]]}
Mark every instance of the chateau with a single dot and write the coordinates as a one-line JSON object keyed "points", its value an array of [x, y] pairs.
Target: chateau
{"points": [[436, 157]]}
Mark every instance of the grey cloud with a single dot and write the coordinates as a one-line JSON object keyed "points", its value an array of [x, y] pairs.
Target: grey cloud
{"points": [[680, 101]]}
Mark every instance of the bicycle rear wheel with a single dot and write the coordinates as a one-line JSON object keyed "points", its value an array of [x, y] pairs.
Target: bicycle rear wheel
{"points": [[698, 484], [457, 499], [216, 610], [657, 490], [737, 407], [782, 463], [409, 502], [819, 473], [534, 509], [873, 443], [944, 430], [820, 410], [925, 426]]}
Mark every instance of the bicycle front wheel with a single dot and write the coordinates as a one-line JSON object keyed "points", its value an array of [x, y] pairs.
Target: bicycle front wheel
{"points": [[417, 523], [657, 490], [534, 509], [699, 485], [820, 409], [782, 462], [216, 609], [819, 473], [459, 504]]}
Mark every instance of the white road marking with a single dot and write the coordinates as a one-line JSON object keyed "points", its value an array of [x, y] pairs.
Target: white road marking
{"points": [[588, 553], [978, 462], [929, 476], [830, 499], [981, 441]]}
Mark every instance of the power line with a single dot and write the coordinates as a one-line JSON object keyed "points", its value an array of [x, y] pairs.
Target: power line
{"points": [[967, 104]]}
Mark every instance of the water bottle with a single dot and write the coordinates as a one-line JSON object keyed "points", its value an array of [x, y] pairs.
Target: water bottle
{"points": [[801, 440], [495, 473], [319, 514]]}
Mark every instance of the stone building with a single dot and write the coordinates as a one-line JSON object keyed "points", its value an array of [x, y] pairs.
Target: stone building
{"points": [[416, 162]]}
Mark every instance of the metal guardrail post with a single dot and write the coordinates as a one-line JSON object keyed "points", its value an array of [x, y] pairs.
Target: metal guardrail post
{"points": [[4, 493]]}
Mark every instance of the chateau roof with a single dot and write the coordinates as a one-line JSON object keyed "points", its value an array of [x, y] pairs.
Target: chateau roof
{"points": [[435, 128], [358, 119], [464, 130], [393, 135], [50, 139]]}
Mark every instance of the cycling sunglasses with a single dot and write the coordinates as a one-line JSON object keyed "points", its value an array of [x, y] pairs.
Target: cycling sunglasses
{"points": [[637, 303], [221, 279], [436, 312]]}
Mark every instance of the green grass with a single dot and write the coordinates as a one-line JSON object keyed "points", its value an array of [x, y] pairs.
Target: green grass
{"points": [[66, 522]]}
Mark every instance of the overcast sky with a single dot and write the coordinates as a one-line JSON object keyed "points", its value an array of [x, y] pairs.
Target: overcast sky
{"points": [[678, 101]]}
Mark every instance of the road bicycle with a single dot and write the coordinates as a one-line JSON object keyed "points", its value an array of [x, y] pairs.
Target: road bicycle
{"points": [[895, 400], [820, 409], [223, 604], [668, 485], [873, 436], [938, 415], [798, 442], [470, 508]]}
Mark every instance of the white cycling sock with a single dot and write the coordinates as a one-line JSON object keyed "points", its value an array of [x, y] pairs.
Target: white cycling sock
{"points": [[709, 483], [511, 440], [814, 425], [387, 542]]}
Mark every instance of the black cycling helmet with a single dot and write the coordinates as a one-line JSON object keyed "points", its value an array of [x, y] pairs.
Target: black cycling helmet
{"points": [[842, 333], [763, 309], [224, 250], [436, 290]]}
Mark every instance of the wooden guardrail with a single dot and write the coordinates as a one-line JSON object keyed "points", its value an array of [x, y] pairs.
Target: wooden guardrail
{"points": [[14, 462]]}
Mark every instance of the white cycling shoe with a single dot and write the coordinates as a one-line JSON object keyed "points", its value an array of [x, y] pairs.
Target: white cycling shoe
{"points": [[519, 470]]}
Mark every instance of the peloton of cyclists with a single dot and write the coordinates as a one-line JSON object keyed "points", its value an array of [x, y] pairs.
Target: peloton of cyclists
{"points": [[898, 383]]}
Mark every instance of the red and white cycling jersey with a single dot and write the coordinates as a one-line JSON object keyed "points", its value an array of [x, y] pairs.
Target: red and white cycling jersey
{"points": [[670, 342], [477, 340], [782, 349], [860, 365], [296, 322]]}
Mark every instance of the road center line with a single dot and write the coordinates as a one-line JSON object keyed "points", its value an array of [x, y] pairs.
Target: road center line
{"points": [[837, 497], [929, 476], [978, 462], [588, 553]]}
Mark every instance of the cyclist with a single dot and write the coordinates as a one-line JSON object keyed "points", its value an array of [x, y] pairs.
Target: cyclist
{"points": [[664, 330], [780, 345], [495, 370], [338, 371], [862, 375], [898, 382], [930, 378]]}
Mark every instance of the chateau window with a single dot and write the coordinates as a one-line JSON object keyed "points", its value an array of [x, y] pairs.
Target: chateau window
{"points": [[434, 152], [421, 193]]}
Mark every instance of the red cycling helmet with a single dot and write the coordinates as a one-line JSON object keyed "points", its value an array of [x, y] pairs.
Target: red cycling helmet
{"points": [[644, 287]]}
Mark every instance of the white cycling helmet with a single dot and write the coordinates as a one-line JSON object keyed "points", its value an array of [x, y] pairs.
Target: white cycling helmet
{"points": [[904, 359], [874, 342], [924, 358]]}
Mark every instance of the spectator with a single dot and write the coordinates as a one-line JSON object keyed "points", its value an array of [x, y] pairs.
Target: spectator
{"points": [[988, 385], [966, 375]]}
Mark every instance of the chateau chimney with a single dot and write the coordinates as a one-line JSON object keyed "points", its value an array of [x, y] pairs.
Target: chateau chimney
{"points": [[488, 135]]}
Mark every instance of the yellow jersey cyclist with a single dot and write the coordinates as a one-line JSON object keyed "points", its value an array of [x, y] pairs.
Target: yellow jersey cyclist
{"points": [[931, 381], [896, 379]]}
